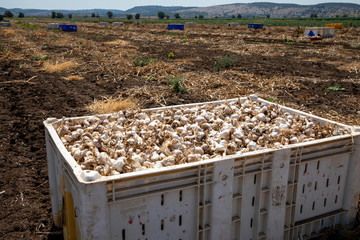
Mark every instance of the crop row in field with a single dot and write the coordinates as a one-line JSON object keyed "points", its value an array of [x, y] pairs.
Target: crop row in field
{"points": [[301, 22]]}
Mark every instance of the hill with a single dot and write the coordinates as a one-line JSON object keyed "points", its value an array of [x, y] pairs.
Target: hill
{"points": [[258, 9], [276, 10], [47, 13], [148, 11]]}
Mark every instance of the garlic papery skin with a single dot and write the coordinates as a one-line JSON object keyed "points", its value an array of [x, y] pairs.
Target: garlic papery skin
{"points": [[134, 140]]}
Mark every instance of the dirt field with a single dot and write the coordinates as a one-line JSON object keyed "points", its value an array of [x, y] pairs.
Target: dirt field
{"points": [[276, 63]]}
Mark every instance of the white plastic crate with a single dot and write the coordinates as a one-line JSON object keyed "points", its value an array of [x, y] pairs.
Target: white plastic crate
{"points": [[53, 26], [5, 24], [190, 24], [282, 193], [103, 23], [325, 32], [233, 24], [118, 24]]}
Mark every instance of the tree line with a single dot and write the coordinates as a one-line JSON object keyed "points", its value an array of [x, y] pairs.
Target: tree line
{"points": [[160, 15]]}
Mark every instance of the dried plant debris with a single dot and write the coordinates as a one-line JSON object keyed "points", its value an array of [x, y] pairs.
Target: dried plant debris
{"points": [[134, 140]]}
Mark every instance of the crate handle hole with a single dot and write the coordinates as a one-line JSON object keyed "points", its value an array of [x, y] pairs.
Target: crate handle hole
{"points": [[303, 189], [180, 196], [315, 186], [253, 201], [336, 199], [123, 234], [325, 202], [301, 208], [162, 199], [162, 224], [339, 179], [305, 168], [313, 206], [143, 229], [318, 165], [251, 223], [180, 220], [322, 222], [327, 182], [255, 179]]}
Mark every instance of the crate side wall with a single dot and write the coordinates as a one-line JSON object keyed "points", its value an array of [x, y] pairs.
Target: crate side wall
{"points": [[187, 200]]}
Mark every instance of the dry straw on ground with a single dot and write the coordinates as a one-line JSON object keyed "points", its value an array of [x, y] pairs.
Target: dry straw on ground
{"points": [[118, 42], [111, 105], [351, 67], [74, 78], [9, 32], [58, 67]]}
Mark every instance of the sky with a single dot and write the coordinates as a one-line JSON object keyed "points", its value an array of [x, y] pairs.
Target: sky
{"points": [[125, 5]]}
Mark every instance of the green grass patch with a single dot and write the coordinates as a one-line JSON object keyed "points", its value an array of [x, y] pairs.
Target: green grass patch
{"points": [[37, 58], [225, 62], [171, 33], [142, 61], [177, 84], [29, 26], [336, 88]]}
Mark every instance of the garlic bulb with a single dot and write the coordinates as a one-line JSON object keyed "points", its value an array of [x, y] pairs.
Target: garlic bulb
{"points": [[135, 140]]}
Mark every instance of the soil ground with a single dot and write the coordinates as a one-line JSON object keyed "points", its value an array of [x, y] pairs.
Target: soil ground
{"points": [[276, 63]]}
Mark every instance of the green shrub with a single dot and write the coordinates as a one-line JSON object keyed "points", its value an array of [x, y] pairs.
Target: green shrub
{"points": [[225, 62], [142, 61], [171, 55], [177, 84]]}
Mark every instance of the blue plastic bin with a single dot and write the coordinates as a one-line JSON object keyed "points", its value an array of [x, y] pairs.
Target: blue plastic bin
{"points": [[68, 28], [255, 25], [175, 26]]}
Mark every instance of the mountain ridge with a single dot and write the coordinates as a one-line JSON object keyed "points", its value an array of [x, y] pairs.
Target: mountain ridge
{"points": [[256, 9]]}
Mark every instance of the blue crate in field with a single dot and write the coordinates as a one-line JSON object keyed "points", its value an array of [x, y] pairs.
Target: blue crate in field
{"points": [[68, 28], [175, 26], [255, 25]]}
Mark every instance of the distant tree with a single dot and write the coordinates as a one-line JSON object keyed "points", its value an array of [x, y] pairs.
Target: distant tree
{"points": [[285, 17], [216, 17], [267, 15], [195, 17], [137, 16], [233, 16], [201, 16], [110, 14], [239, 16], [345, 16], [177, 15], [167, 16], [8, 14], [1, 17], [129, 16], [97, 15], [93, 15], [313, 15], [21, 15], [161, 15], [70, 16], [59, 15], [53, 14]]}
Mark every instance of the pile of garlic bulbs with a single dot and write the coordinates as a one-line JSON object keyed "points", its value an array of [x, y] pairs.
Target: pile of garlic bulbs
{"points": [[134, 140]]}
